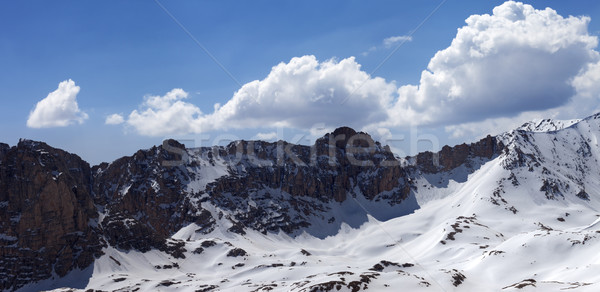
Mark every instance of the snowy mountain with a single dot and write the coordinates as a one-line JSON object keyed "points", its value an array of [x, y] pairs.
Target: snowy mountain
{"points": [[547, 125], [516, 211]]}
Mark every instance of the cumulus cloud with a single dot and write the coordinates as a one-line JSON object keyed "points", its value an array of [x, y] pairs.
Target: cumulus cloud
{"points": [[114, 119], [165, 115], [516, 60], [58, 109], [304, 92], [391, 41]]}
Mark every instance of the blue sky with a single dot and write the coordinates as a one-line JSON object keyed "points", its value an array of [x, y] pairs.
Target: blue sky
{"points": [[121, 53]]}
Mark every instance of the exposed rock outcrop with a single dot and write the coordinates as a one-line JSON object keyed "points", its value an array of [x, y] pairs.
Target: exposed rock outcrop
{"points": [[143, 199], [330, 169], [48, 222], [340, 164], [449, 158]]}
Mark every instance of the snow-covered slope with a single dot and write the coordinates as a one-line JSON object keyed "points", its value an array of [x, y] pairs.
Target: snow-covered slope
{"points": [[547, 125], [525, 219]]}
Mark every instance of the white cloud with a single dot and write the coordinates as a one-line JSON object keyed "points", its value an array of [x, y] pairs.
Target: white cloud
{"points": [[270, 136], [516, 60], [58, 109], [370, 50], [585, 102], [166, 115], [495, 126], [114, 119], [304, 92], [388, 43], [393, 40], [587, 84]]}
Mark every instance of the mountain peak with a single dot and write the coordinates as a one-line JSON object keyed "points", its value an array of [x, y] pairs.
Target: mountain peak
{"points": [[349, 132], [169, 143], [29, 143], [547, 125], [343, 136]]}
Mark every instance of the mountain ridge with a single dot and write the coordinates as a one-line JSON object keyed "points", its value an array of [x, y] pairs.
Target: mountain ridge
{"points": [[167, 200]]}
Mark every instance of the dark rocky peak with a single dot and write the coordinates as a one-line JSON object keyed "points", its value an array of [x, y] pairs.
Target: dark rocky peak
{"points": [[348, 147], [171, 150], [46, 214], [259, 148], [49, 157], [258, 154], [39, 156], [324, 171], [449, 158], [173, 143], [144, 198], [346, 137], [344, 131], [283, 151], [31, 146], [149, 161], [338, 145], [29, 143]]}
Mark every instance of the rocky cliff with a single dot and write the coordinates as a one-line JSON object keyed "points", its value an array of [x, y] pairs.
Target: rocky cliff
{"points": [[48, 221], [449, 158], [142, 200], [302, 180]]}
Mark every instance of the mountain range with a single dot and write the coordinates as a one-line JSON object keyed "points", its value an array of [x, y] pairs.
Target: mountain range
{"points": [[516, 211]]}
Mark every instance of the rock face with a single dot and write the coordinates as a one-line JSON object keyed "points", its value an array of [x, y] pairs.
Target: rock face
{"points": [[57, 213], [303, 180], [452, 157], [330, 169], [143, 201], [48, 222]]}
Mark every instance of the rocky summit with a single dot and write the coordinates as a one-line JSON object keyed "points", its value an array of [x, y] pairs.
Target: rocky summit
{"points": [[342, 214], [48, 220]]}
